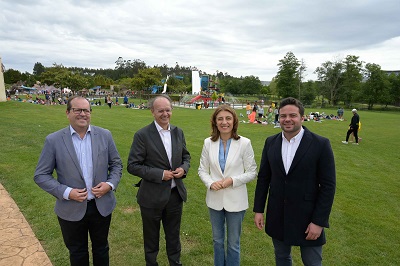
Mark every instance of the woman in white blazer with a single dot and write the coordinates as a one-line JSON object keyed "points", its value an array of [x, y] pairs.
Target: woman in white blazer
{"points": [[226, 165]]}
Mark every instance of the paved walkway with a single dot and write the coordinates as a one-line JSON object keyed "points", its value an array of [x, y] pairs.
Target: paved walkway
{"points": [[18, 244]]}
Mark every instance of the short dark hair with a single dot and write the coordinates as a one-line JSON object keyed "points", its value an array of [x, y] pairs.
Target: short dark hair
{"points": [[70, 99], [292, 101]]}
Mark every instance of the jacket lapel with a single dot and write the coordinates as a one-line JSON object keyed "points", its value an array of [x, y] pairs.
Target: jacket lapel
{"points": [[214, 150], [157, 141], [301, 150], [67, 138], [277, 148], [95, 148], [233, 150]]}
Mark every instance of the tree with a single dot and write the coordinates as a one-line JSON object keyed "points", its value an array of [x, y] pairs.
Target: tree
{"points": [[375, 87], [309, 92], [301, 70], [287, 80], [38, 69], [147, 78], [231, 85], [251, 85], [61, 77], [126, 83], [55, 75], [176, 85], [351, 78], [329, 74], [12, 76], [394, 90]]}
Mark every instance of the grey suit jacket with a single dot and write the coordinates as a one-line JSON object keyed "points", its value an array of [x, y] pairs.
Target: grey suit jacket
{"points": [[148, 159], [59, 154]]}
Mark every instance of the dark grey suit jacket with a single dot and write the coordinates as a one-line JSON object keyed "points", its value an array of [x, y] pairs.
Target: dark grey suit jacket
{"points": [[148, 159], [303, 195], [59, 154]]}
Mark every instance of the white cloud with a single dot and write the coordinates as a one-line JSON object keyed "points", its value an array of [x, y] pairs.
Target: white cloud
{"points": [[238, 37]]}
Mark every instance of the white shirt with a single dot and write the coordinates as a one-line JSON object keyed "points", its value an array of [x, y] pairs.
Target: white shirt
{"points": [[289, 149], [165, 135]]}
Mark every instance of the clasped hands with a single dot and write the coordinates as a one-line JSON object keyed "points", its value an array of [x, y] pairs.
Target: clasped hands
{"points": [[221, 184], [81, 194], [177, 173]]}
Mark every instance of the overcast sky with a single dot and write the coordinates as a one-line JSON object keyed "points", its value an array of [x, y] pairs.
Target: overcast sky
{"points": [[241, 38]]}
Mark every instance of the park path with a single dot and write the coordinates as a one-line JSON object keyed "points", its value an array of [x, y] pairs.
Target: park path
{"points": [[18, 244]]}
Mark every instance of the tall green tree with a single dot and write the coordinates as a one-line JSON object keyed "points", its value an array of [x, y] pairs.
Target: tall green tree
{"points": [[351, 78], [287, 80], [394, 90], [38, 69], [330, 76], [375, 87], [300, 75], [309, 92]]}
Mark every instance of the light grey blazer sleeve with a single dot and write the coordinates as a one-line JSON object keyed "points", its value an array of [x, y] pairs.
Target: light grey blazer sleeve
{"points": [[59, 154]]}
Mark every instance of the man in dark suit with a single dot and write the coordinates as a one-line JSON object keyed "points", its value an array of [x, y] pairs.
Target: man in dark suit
{"points": [[88, 169], [159, 157], [297, 173]]}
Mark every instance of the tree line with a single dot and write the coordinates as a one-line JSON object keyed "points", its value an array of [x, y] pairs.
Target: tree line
{"points": [[346, 81]]}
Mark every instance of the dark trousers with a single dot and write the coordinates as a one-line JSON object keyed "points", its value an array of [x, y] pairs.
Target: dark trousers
{"points": [[170, 216], [354, 131], [311, 256], [75, 236]]}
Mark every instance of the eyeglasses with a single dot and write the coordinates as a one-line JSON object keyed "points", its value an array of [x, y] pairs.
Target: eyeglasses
{"points": [[78, 111], [160, 111]]}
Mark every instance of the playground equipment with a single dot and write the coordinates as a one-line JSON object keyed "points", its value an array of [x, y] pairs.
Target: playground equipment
{"points": [[204, 87], [156, 88]]}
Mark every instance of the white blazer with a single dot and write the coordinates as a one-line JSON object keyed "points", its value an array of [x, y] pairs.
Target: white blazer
{"points": [[240, 166]]}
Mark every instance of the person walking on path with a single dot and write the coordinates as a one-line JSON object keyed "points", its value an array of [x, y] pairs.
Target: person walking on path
{"points": [[159, 156], [226, 165], [89, 169], [297, 174], [353, 127]]}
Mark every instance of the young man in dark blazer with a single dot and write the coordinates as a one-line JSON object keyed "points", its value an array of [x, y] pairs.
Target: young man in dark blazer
{"points": [[297, 173], [159, 157], [89, 169]]}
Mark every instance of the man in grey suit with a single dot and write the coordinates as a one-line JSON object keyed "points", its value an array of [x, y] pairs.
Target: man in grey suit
{"points": [[297, 173], [88, 169], [159, 157]]}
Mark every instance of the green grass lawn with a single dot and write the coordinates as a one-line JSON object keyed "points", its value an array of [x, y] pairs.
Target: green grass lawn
{"points": [[365, 220]]}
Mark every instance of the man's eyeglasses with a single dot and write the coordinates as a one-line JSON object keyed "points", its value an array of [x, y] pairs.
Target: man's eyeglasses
{"points": [[160, 111], [78, 111]]}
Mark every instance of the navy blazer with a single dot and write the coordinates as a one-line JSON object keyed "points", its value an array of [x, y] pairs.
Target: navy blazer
{"points": [[305, 194], [59, 154], [148, 160]]}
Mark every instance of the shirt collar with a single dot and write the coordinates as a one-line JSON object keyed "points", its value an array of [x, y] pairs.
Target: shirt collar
{"points": [[72, 130], [159, 128], [298, 137]]}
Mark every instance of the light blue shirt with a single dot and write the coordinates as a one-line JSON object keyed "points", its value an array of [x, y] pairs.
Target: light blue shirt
{"points": [[223, 155], [83, 149]]}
